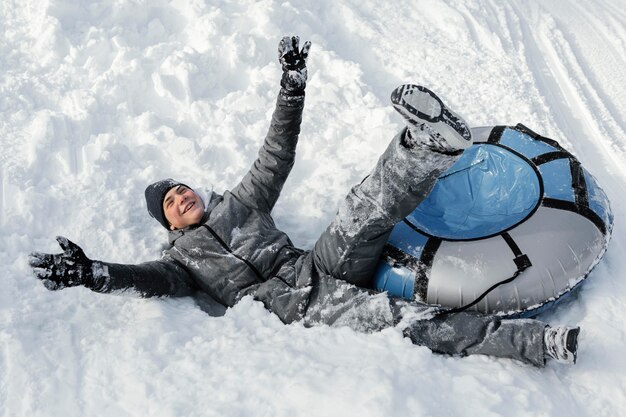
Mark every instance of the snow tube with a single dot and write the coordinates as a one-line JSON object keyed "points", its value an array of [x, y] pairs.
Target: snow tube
{"points": [[510, 229]]}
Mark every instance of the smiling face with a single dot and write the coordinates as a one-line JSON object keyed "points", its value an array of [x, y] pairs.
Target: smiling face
{"points": [[182, 207]]}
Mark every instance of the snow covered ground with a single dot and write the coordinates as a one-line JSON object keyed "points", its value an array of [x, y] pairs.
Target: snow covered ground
{"points": [[100, 98]]}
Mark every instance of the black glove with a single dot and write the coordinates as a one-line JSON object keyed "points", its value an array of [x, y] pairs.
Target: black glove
{"points": [[67, 269], [293, 61]]}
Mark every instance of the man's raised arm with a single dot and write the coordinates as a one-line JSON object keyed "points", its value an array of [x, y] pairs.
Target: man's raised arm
{"points": [[261, 186]]}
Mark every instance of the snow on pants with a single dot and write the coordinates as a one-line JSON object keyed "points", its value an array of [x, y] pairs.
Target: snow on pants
{"points": [[346, 255]]}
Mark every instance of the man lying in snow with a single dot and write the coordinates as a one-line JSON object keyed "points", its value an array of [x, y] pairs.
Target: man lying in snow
{"points": [[228, 246]]}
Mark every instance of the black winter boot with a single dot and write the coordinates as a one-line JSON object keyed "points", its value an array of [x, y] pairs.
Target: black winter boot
{"points": [[430, 122], [561, 343]]}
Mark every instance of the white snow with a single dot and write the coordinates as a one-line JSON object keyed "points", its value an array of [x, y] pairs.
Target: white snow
{"points": [[100, 98]]}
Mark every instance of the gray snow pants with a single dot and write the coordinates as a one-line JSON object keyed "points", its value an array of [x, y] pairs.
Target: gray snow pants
{"points": [[346, 255]]}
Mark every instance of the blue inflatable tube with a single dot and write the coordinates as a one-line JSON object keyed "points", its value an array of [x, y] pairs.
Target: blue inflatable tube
{"points": [[513, 227]]}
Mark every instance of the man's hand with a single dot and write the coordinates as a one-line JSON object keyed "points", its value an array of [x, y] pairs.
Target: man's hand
{"points": [[67, 269], [293, 60]]}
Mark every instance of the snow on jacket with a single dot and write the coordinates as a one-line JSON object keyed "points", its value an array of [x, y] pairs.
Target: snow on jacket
{"points": [[236, 250]]}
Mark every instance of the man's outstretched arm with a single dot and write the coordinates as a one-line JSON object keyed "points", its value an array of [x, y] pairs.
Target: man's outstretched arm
{"points": [[72, 268], [261, 186]]}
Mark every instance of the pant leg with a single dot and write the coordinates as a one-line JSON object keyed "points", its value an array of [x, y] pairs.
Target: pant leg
{"points": [[337, 303], [350, 247], [471, 333]]}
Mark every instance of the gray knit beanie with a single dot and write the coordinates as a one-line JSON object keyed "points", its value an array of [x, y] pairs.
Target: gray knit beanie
{"points": [[155, 194]]}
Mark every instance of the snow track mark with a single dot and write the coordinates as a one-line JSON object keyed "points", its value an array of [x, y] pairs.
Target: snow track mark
{"points": [[572, 94]]}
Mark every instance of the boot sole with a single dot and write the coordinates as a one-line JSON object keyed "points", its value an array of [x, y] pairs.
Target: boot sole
{"points": [[429, 109], [571, 342]]}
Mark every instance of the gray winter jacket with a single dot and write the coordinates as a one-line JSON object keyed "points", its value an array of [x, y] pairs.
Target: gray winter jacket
{"points": [[236, 250]]}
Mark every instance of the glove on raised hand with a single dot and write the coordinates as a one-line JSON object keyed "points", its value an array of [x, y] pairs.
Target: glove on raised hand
{"points": [[293, 60], [67, 269]]}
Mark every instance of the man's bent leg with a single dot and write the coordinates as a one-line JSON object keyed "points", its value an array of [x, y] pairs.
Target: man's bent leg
{"points": [[350, 247]]}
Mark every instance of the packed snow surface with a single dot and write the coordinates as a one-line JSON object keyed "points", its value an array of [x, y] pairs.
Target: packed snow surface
{"points": [[100, 98]]}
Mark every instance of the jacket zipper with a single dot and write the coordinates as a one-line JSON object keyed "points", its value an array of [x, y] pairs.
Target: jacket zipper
{"points": [[259, 277]]}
